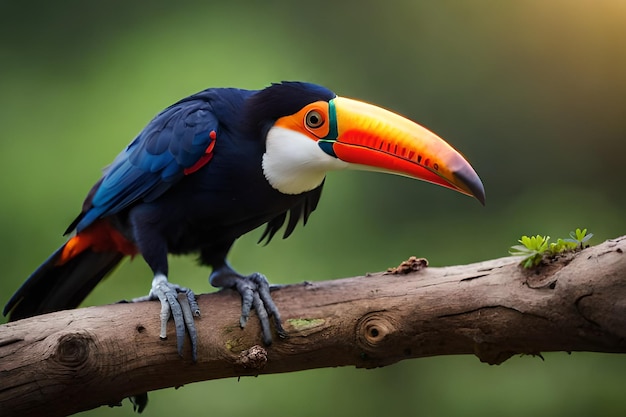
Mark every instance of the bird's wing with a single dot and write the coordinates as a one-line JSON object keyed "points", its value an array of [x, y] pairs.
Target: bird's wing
{"points": [[177, 142]]}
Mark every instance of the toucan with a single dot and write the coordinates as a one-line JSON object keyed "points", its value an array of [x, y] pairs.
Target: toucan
{"points": [[216, 165]]}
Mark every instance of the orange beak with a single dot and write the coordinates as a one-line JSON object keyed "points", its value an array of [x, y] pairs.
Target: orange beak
{"points": [[370, 138]]}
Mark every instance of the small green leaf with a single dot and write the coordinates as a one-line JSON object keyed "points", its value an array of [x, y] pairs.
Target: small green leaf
{"points": [[537, 243], [579, 237], [534, 248], [519, 250]]}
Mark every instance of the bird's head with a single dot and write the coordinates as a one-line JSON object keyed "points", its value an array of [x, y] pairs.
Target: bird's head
{"points": [[314, 131]]}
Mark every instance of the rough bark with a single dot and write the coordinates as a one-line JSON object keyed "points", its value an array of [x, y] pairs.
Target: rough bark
{"points": [[65, 362]]}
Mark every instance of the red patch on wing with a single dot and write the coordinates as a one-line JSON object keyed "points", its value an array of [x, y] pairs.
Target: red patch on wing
{"points": [[99, 237], [204, 159]]}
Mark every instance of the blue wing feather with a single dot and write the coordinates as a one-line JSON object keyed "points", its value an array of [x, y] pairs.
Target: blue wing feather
{"points": [[155, 160]]}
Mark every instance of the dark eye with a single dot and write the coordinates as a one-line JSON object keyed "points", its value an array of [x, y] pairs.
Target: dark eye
{"points": [[314, 119]]}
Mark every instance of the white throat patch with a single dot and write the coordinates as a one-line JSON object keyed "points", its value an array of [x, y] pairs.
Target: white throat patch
{"points": [[293, 163]]}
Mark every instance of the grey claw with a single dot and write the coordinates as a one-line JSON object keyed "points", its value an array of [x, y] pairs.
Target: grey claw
{"points": [[193, 304], [261, 311], [255, 293], [187, 308], [179, 322], [182, 310]]}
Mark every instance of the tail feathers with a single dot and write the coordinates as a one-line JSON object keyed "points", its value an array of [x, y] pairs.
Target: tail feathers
{"points": [[57, 285]]}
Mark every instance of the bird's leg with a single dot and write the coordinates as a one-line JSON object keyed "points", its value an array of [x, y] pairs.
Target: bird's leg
{"points": [[255, 293], [153, 247], [182, 312]]}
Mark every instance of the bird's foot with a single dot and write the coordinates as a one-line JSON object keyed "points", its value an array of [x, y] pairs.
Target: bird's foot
{"points": [[255, 293], [183, 311]]}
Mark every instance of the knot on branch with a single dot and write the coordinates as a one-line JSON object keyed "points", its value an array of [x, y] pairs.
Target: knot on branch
{"points": [[374, 328], [73, 349]]}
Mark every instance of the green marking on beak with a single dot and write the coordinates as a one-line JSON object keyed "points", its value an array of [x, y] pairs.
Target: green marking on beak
{"points": [[326, 143]]}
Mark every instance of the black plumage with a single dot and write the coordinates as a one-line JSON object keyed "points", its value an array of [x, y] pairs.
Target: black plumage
{"points": [[148, 196]]}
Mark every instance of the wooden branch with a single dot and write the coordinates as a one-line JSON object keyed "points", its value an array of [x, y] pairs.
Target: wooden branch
{"points": [[61, 363]]}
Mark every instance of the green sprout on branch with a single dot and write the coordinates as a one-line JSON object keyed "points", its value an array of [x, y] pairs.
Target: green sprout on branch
{"points": [[532, 249], [535, 249], [579, 238]]}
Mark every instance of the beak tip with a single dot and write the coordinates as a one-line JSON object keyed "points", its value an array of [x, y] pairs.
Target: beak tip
{"points": [[472, 184], [481, 199], [479, 194], [478, 191]]}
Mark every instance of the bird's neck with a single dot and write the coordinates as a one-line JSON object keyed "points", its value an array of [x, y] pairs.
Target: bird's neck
{"points": [[294, 163]]}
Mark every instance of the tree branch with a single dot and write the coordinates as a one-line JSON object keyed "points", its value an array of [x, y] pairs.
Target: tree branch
{"points": [[69, 361]]}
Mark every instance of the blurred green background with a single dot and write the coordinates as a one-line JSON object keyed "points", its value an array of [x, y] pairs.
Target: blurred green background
{"points": [[533, 92]]}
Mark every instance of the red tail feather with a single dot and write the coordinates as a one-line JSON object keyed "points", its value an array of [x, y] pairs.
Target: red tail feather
{"points": [[99, 237]]}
